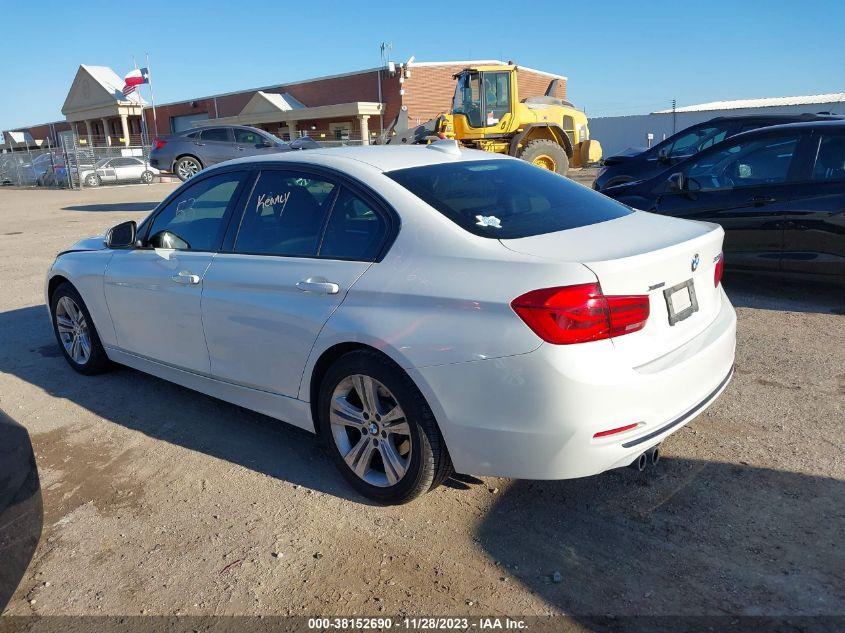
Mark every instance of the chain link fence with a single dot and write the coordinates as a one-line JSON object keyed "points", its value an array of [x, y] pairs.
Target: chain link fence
{"points": [[77, 163]]}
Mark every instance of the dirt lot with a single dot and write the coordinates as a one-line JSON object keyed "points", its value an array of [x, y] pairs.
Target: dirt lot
{"points": [[158, 500]]}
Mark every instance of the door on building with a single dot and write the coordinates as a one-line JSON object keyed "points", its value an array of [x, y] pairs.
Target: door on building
{"points": [[185, 121]]}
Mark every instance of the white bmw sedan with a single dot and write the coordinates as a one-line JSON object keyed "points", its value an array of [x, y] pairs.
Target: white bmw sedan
{"points": [[422, 309]]}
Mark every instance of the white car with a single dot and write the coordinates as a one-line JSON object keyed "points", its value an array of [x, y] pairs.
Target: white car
{"points": [[422, 309], [120, 169]]}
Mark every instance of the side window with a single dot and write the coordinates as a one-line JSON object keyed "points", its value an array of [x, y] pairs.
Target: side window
{"points": [[829, 161], [497, 95], [194, 135], [748, 162], [355, 230], [284, 215], [194, 219], [695, 140], [247, 137], [216, 134]]}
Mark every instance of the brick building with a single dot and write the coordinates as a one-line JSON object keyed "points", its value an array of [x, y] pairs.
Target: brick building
{"points": [[353, 106], [342, 107]]}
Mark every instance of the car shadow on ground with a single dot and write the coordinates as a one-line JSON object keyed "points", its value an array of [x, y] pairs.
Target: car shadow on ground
{"points": [[116, 206], [21, 506], [772, 293], [166, 411], [625, 544]]}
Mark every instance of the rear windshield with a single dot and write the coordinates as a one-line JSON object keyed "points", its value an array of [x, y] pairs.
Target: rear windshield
{"points": [[507, 199]]}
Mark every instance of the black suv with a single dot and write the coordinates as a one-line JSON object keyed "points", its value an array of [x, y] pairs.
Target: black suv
{"points": [[779, 193], [638, 164]]}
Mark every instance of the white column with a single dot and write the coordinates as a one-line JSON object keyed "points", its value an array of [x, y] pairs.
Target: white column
{"points": [[106, 131], [292, 129], [88, 131], [124, 122], [363, 120]]}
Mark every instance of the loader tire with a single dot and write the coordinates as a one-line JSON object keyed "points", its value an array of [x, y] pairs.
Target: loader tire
{"points": [[546, 154]]}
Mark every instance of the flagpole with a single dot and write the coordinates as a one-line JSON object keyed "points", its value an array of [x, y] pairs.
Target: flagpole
{"points": [[152, 96]]}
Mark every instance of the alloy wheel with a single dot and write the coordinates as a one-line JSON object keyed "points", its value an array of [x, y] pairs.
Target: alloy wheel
{"points": [[188, 168], [73, 330], [370, 430]]}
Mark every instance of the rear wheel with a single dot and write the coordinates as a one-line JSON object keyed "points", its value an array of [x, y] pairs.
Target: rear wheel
{"points": [[187, 167], [147, 177], [75, 331], [379, 429], [546, 154], [92, 180]]}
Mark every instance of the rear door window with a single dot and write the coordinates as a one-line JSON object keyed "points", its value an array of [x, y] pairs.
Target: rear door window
{"points": [[507, 199], [285, 215], [217, 134], [829, 163]]}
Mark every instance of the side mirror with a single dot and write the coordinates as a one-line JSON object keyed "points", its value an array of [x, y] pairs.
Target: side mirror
{"points": [[676, 182], [122, 235]]}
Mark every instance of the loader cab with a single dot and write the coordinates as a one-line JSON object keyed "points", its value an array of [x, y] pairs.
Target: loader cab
{"points": [[485, 97]]}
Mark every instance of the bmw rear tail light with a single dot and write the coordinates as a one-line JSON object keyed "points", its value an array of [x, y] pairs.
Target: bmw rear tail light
{"points": [[720, 268], [159, 144], [582, 313]]}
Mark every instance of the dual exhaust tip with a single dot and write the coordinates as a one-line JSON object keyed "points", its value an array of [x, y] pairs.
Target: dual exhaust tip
{"points": [[650, 458]]}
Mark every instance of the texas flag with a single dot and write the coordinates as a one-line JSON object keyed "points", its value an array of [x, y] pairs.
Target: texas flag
{"points": [[135, 78]]}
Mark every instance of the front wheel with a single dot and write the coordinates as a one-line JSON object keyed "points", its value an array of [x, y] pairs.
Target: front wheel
{"points": [[546, 154], [75, 331], [379, 429]]}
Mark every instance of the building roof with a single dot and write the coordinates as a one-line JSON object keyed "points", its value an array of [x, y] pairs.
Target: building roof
{"points": [[113, 84], [769, 102]]}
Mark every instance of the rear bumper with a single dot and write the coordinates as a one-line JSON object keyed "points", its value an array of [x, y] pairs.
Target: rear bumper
{"points": [[534, 416]]}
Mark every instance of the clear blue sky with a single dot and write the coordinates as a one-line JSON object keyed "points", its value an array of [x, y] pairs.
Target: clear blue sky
{"points": [[621, 57]]}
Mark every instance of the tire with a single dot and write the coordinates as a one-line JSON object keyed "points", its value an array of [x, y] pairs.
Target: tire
{"points": [[95, 361], [367, 441], [147, 177], [546, 154], [187, 167], [92, 180]]}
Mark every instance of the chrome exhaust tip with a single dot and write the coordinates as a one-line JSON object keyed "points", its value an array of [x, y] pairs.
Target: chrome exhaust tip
{"points": [[654, 456], [640, 463]]}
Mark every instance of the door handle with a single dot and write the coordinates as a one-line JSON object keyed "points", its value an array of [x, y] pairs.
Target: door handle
{"points": [[318, 285], [186, 278], [759, 201]]}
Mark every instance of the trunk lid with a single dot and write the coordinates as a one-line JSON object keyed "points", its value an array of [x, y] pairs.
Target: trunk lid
{"points": [[644, 254]]}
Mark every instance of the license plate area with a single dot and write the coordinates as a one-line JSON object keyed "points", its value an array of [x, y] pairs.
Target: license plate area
{"points": [[681, 301]]}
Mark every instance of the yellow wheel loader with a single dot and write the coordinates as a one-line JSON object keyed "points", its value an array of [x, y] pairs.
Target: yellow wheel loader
{"points": [[487, 114]]}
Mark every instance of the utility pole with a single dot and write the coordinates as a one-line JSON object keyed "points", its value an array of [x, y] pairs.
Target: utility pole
{"points": [[384, 48], [674, 116]]}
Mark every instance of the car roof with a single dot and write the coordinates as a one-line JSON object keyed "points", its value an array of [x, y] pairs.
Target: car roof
{"points": [[379, 157], [825, 124]]}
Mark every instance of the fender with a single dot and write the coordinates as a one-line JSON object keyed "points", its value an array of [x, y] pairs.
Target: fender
{"points": [[554, 128]]}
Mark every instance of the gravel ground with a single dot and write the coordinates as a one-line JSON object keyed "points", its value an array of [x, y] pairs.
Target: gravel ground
{"points": [[158, 500]]}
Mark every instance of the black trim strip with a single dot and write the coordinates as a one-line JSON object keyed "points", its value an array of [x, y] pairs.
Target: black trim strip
{"points": [[685, 416]]}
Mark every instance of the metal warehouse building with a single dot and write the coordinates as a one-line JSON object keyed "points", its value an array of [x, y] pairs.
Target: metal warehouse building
{"points": [[352, 107], [621, 132]]}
